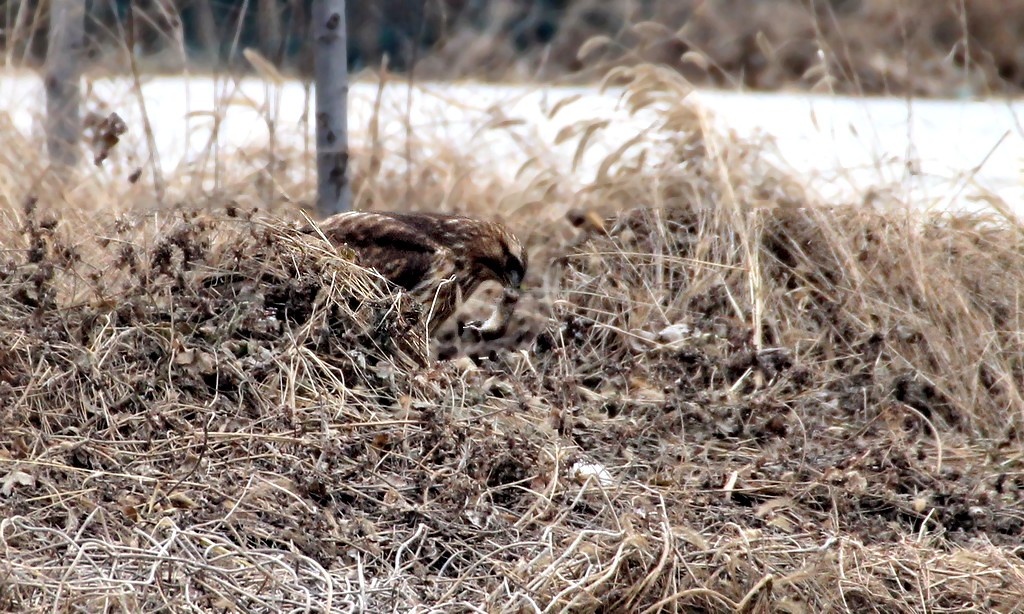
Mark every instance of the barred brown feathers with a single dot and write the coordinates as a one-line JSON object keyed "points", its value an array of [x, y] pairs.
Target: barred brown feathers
{"points": [[439, 259]]}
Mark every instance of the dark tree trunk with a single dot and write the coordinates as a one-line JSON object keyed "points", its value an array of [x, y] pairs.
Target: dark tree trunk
{"points": [[206, 31], [331, 74], [63, 73], [268, 15]]}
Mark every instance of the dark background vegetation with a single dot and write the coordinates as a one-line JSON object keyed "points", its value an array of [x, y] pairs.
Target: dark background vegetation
{"points": [[922, 47]]}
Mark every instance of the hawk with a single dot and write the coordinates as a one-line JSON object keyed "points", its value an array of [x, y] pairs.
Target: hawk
{"points": [[439, 259]]}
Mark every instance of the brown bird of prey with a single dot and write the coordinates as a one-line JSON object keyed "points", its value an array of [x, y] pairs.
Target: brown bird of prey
{"points": [[439, 259]]}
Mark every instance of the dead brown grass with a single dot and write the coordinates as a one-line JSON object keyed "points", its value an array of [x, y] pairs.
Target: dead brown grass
{"points": [[916, 47], [737, 398]]}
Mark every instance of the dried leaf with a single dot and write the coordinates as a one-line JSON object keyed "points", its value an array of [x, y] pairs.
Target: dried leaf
{"points": [[592, 44], [696, 58], [651, 30], [15, 478], [561, 104]]}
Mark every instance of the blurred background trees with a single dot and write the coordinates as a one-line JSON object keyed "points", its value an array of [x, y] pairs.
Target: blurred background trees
{"points": [[922, 47]]}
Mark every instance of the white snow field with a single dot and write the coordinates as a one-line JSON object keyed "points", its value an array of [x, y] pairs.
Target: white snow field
{"points": [[949, 154]]}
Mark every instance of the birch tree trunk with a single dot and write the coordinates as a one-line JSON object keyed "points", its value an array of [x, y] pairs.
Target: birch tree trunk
{"points": [[331, 75], [63, 73]]}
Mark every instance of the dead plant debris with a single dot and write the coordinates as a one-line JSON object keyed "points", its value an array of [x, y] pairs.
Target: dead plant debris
{"points": [[705, 403]]}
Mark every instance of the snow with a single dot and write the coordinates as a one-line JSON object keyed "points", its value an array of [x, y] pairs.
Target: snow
{"points": [[945, 152]]}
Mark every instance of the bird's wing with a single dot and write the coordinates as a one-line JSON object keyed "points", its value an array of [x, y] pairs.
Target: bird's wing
{"points": [[439, 291], [401, 254]]}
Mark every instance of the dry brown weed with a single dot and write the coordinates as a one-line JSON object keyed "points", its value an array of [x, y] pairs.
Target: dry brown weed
{"points": [[737, 398]]}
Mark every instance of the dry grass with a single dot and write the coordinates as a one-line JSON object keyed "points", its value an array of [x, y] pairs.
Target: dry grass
{"points": [[895, 47], [736, 398]]}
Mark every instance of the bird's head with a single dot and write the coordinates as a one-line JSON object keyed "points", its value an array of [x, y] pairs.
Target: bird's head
{"points": [[503, 257]]}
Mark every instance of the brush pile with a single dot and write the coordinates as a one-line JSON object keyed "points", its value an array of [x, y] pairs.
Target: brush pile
{"points": [[147, 363], [736, 398]]}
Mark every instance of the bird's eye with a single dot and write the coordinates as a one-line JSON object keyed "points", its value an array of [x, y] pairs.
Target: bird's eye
{"points": [[514, 264]]}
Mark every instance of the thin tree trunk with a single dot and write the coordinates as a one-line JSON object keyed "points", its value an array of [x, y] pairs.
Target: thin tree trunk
{"points": [[268, 15], [206, 31], [63, 73], [331, 74]]}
